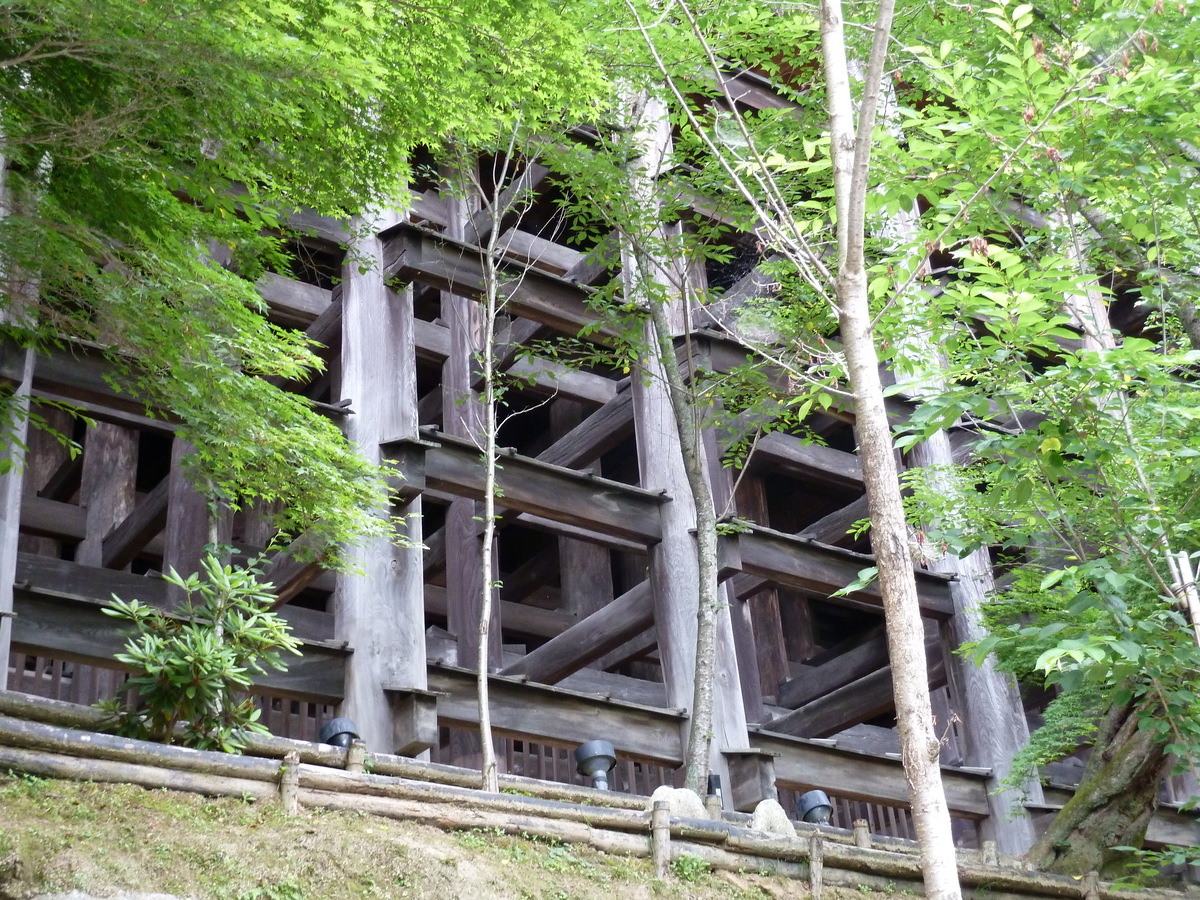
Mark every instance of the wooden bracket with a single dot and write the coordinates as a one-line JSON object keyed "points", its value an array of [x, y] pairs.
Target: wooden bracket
{"points": [[751, 777], [414, 719]]}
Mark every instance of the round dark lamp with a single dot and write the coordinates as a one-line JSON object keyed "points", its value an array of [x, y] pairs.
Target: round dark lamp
{"points": [[595, 759], [338, 732], [814, 807]]}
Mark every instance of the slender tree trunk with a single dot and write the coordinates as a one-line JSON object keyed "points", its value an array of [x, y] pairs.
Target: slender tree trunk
{"points": [[919, 744], [1113, 804], [701, 733]]}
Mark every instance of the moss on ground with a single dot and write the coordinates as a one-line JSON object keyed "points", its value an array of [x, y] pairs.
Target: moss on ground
{"points": [[100, 838]]}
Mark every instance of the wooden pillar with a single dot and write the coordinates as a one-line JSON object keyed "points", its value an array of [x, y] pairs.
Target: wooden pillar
{"points": [[993, 717], [44, 454], [763, 607], [10, 505], [584, 569], [674, 571], [380, 610], [109, 486], [462, 417], [189, 527]]}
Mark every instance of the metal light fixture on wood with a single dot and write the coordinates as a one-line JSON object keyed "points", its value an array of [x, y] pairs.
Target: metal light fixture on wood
{"points": [[338, 732], [814, 807], [595, 759]]}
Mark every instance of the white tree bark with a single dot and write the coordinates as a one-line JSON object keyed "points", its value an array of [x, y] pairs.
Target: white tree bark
{"points": [[919, 743]]}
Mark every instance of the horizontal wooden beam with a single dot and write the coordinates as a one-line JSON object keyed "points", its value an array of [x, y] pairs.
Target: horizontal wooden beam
{"points": [[57, 577], [411, 253], [515, 618], [53, 518], [803, 765], [818, 680], [49, 625], [538, 376], [589, 639], [786, 454], [856, 701], [822, 570], [519, 709], [295, 304], [528, 486]]}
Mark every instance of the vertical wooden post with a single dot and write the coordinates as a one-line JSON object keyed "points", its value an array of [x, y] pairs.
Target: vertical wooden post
{"points": [[674, 572], [188, 519], [660, 838], [10, 506], [862, 833], [816, 865], [289, 784], [381, 611], [356, 757], [462, 417], [585, 572], [109, 485]]}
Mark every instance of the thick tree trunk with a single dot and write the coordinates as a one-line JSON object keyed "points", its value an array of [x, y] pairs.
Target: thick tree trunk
{"points": [[1113, 805]]}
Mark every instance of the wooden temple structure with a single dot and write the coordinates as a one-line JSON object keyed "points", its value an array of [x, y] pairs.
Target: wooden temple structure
{"points": [[593, 634]]}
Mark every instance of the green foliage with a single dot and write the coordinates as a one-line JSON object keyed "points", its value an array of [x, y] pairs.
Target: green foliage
{"points": [[193, 669], [688, 867], [114, 113]]}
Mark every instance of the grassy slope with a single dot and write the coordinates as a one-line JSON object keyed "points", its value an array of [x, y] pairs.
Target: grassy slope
{"points": [[59, 835]]}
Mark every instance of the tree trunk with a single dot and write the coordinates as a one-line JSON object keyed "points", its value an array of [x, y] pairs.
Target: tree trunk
{"points": [[1114, 803], [850, 147]]}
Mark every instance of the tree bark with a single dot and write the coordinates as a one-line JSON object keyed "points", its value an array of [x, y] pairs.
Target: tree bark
{"points": [[1113, 804], [851, 144]]}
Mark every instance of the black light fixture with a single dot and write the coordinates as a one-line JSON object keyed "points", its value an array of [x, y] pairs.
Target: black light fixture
{"points": [[595, 759], [814, 807], [714, 785], [338, 732]]}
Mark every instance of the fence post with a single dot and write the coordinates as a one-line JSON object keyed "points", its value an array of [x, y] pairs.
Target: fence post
{"points": [[816, 865], [660, 838], [289, 784]]}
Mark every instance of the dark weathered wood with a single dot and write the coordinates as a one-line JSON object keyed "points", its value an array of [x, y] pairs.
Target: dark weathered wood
{"points": [[379, 610], [832, 528], [480, 225], [289, 573], [414, 254], [821, 569], [415, 721], [803, 765], [589, 639], [188, 518], [52, 518], [293, 302], [751, 778], [760, 607], [864, 698], [147, 519], [597, 434], [76, 629], [788, 455], [462, 417], [538, 252], [11, 488], [108, 489], [818, 680], [533, 487], [518, 618], [585, 572], [532, 711], [63, 483]]}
